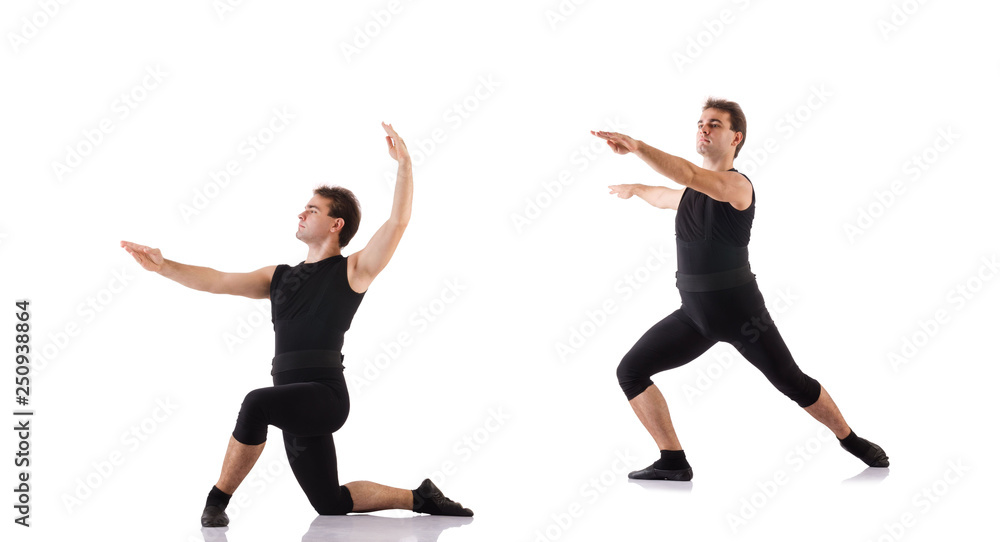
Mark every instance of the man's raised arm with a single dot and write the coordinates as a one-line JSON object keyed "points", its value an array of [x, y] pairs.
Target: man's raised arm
{"points": [[363, 266], [255, 285]]}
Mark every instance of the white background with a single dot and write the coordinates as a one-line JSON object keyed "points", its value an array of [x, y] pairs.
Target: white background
{"points": [[863, 101]]}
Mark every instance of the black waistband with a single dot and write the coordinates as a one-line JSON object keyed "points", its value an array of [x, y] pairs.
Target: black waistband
{"points": [[302, 359], [715, 281]]}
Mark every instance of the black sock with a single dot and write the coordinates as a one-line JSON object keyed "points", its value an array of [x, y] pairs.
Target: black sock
{"points": [[854, 444], [872, 454], [218, 498], [671, 460]]}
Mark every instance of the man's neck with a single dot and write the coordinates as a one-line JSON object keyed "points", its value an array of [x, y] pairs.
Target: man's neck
{"points": [[317, 253], [718, 163]]}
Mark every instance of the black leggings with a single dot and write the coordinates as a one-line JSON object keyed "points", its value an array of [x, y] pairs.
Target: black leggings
{"points": [[734, 315], [308, 405]]}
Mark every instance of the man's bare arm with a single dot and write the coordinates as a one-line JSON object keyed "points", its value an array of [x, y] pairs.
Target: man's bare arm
{"points": [[255, 285], [657, 196], [364, 265], [727, 186]]}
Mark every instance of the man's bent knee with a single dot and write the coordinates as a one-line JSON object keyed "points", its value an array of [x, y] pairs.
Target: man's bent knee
{"points": [[338, 505], [251, 423], [631, 382], [804, 391]]}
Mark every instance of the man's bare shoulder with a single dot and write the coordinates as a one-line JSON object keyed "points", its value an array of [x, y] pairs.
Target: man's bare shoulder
{"points": [[740, 190]]}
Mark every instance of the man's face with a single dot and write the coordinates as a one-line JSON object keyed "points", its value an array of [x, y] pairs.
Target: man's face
{"points": [[715, 136], [315, 222]]}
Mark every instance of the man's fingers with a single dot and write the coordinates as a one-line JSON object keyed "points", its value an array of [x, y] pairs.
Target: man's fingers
{"points": [[388, 129], [396, 140], [134, 246]]}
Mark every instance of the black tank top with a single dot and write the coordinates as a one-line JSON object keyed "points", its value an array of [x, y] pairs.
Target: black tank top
{"points": [[712, 236], [312, 305]]}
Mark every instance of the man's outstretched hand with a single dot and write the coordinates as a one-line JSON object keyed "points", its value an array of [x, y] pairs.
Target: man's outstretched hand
{"points": [[620, 143], [397, 149], [149, 258], [624, 191]]}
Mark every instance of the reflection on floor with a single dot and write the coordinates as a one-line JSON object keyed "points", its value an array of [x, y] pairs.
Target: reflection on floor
{"points": [[367, 528]]}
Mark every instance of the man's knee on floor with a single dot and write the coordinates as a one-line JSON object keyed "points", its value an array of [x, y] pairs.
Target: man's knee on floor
{"points": [[337, 505]]}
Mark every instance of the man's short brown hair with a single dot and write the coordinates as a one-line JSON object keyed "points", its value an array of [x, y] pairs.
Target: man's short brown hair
{"points": [[343, 204], [737, 120]]}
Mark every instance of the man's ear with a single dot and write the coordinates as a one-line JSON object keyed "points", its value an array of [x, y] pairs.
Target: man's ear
{"points": [[338, 224]]}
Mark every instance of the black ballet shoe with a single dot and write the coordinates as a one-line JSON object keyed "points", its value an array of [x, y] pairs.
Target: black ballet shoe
{"points": [[428, 499], [875, 456], [652, 473], [213, 516]]}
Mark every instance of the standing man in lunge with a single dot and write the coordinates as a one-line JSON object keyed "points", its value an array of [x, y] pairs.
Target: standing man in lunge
{"points": [[312, 305], [720, 299]]}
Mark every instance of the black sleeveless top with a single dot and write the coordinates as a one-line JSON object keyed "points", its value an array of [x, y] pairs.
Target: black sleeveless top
{"points": [[312, 305], [712, 236]]}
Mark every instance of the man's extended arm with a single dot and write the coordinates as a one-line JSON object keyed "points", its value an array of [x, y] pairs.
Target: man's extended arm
{"points": [[657, 196], [255, 285], [727, 186], [367, 263]]}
